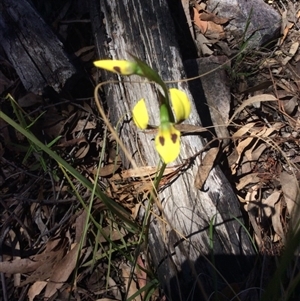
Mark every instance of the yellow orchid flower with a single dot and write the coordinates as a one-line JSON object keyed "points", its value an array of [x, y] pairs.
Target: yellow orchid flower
{"points": [[180, 104], [118, 66], [167, 142], [140, 114]]}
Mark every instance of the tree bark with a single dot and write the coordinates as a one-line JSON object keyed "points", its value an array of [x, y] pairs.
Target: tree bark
{"points": [[183, 250], [34, 50]]}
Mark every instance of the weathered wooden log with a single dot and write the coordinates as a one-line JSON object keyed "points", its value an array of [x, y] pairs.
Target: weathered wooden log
{"points": [[34, 50], [181, 248]]}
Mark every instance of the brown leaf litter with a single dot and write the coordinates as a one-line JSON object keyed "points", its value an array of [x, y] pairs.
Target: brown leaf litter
{"points": [[42, 221]]}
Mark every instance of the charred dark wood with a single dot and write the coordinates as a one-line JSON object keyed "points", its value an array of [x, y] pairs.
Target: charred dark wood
{"points": [[34, 50], [182, 247]]}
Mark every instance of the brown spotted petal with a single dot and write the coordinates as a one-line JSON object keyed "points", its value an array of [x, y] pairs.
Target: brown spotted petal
{"points": [[167, 142]]}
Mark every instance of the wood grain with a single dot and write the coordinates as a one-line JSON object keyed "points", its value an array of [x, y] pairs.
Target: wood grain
{"points": [[179, 246], [34, 50]]}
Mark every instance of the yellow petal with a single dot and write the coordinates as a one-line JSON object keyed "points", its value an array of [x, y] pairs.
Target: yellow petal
{"points": [[140, 114], [180, 104], [118, 66], [167, 142]]}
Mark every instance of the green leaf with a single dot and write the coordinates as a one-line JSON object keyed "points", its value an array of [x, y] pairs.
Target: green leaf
{"points": [[110, 204]]}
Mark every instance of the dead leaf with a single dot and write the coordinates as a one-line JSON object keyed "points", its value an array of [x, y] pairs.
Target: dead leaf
{"points": [[283, 94], [261, 86], [246, 180], [131, 285], [141, 274], [290, 189], [35, 289], [47, 261], [250, 101], [109, 234], [286, 25], [207, 16], [113, 289], [288, 86], [54, 125], [61, 272], [290, 105], [258, 148], [269, 63], [251, 208], [292, 52], [202, 43], [79, 226], [84, 148], [71, 142], [107, 170], [82, 124], [276, 221], [243, 130], [242, 145], [286, 31], [26, 265], [255, 152], [269, 203], [205, 167], [29, 99], [201, 24], [214, 32], [252, 194]]}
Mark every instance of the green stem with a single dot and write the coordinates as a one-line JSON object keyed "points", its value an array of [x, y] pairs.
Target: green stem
{"points": [[147, 219]]}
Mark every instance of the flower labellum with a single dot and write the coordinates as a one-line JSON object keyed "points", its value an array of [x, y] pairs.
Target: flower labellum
{"points": [[167, 142], [118, 66], [180, 104], [140, 114]]}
